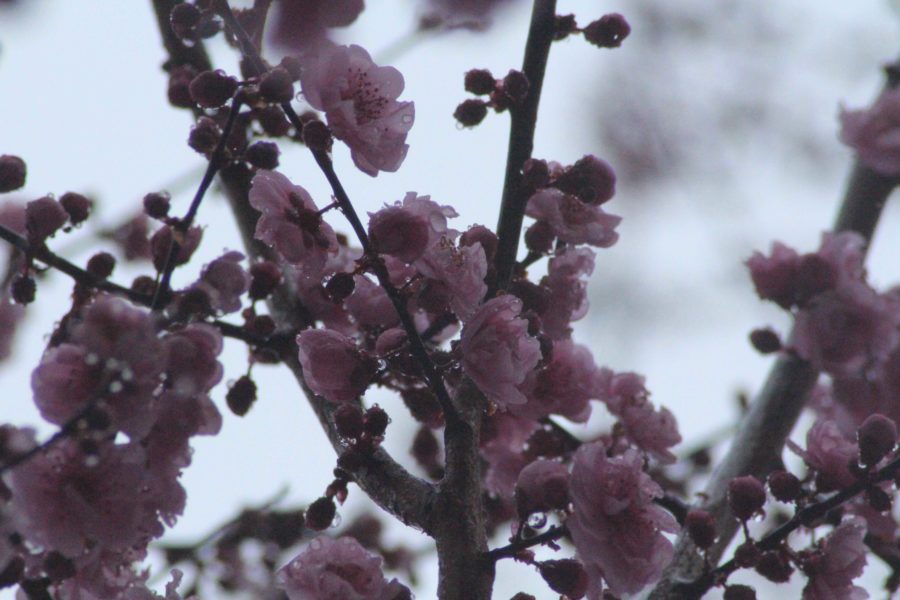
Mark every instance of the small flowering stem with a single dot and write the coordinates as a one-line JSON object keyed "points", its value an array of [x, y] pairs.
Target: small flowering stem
{"points": [[804, 517], [216, 160], [521, 138], [417, 346], [760, 438], [511, 550]]}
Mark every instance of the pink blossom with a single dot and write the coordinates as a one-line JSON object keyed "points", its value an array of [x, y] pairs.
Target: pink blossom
{"points": [[572, 220], [616, 527], [542, 486], [113, 356], [192, 367], [369, 304], [360, 103], [290, 222], [497, 352], [830, 453], [773, 276], [224, 280], [564, 386], [70, 503], [461, 269], [566, 274], [875, 133], [653, 431], [333, 366], [845, 330], [840, 561], [406, 230], [340, 569]]}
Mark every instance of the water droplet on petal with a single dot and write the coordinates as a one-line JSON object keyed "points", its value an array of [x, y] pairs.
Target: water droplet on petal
{"points": [[536, 520]]}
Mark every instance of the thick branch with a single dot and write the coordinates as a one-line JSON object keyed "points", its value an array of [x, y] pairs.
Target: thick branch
{"points": [[521, 138], [760, 439]]}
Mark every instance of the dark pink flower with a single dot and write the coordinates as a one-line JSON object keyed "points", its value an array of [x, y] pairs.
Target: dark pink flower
{"points": [[497, 352], [564, 386], [369, 305], [290, 222], [113, 357], [461, 269], [773, 276], [841, 559], [653, 431], [565, 279], [360, 103], [503, 439], [340, 569], [333, 366], [875, 133], [616, 527], [572, 220], [406, 230]]}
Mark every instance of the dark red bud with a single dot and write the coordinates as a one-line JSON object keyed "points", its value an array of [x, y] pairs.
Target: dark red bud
{"points": [[277, 86], [876, 437], [774, 566], [317, 136], [339, 287], [480, 82], [156, 204], [747, 555], [212, 89], [77, 206], [264, 278], [784, 486], [765, 340], [566, 576], [263, 155], [23, 289], [241, 396], [608, 31], [470, 112], [101, 265], [320, 514], [746, 496], [348, 419], [12, 173], [515, 86], [204, 135], [376, 421], [702, 528], [539, 237], [739, 592], [564, 27]]}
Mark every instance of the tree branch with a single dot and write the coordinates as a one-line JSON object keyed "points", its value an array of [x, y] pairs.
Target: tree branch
{"points": [[521, 138], [759, 442]]}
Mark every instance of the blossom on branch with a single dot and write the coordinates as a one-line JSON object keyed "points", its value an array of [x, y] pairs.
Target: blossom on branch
{"points": [[333, 366], [875, 133], [359, 99], [841, 559], [497, 352]]}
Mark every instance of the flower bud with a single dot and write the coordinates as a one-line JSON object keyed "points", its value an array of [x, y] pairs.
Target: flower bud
{"points": [[204, 135], [539, 237], [241, 396], [12, 173], [765, 340], [701, 527], [784, 486], [747, 555], [566, 576], [272, 120], [339, 287], [774, 566], [608, 31], [76, 206], [320, 514], [739, 592], [43, 217], [348, 419], [157, 204], [183, 18], [470, 112], [23, 289], [101, 265], [264, 278], [877, 436], [212, 89], [746, 496], [564, 26], [376, 421], [263, 155], [179, 92], [480, 82], [276, 86], [317, 136], [515, 86]]}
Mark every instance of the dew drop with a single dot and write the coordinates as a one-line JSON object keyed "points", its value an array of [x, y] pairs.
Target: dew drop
{"points": [[536, 520], [336, 522]]}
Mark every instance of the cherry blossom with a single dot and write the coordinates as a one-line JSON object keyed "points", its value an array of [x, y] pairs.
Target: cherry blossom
{"points": [[875, 133], [333, 366], [616, 527], [842, 559], [405, 230], [497, 352], [290, 222], [461, 269], [572, 220], [360, 103], [567, 301], [336, 569], [653, 431], [564, 386]]}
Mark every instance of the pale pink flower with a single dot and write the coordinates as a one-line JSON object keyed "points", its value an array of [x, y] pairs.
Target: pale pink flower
{"points": [[566, 280], [333, 366], [360, 103], [572, 220], [497, 352], [841, 560], [653, 431], [290, 222], [336, 569], [875, 133], [615, 525], [461, 269], [405, 230]]}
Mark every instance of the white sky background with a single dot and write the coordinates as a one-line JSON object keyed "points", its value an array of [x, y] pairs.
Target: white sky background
{"points": [[735, 111]]}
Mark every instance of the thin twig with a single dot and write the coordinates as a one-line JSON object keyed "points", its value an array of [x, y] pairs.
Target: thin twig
{"points": [[509, 551], [521, 139]]}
